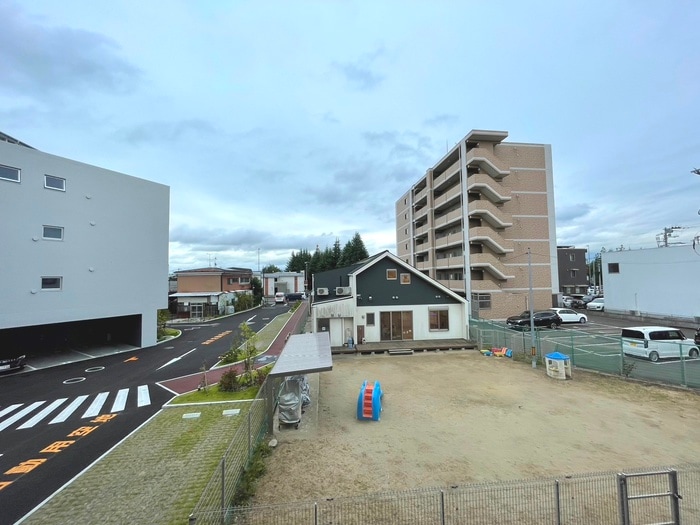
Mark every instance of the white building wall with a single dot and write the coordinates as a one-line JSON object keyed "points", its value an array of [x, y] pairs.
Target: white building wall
{"points": [[655, 281], [114, 255]]}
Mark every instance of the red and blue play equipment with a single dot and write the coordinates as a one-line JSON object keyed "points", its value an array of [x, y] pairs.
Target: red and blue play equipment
{"points": [[369, 402]]}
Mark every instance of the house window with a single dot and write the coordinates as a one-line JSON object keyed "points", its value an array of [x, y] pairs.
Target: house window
{"points": [[439, 319], [572, 257], [244, 280], [54, 183], [396, 326], [613, 267], [572, 273], [405, 278], [370, 319], [54, 233], [231, 280], [8, 173], [391, 275], [51, 283]]}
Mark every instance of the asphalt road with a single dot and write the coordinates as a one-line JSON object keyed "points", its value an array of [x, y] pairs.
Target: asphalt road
{"points": [[57, 420]]}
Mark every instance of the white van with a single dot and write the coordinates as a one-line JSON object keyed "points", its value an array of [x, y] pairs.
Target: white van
{"points": [[279, 298], [657, 342]]}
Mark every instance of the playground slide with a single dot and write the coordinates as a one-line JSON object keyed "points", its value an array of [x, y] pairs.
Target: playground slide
{"points": [[369, 402]]}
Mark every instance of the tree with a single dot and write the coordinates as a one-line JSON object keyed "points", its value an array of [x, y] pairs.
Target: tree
{"points": [[249, 351], [163, 317], [353, 251], [256, 286], [271, 268]]}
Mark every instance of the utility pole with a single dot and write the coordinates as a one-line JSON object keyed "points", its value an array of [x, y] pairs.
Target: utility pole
{"points": [[533, 349]]}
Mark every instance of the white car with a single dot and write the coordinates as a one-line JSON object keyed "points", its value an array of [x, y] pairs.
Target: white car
{"points": [[596, 304], [570, 316]]}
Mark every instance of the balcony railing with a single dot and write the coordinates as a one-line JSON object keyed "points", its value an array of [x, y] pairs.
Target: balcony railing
{"points": [[486, 162], [491, 238], [490, 264], [448, 218], [450, 262], [489, 187], [447, 197], [449, 240], [489, 212]]}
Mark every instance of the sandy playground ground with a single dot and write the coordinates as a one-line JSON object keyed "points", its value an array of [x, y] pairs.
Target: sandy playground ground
{"points": [[459, 417]]}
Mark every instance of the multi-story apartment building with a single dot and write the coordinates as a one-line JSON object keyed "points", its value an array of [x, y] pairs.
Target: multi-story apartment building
{"points": [[481, 221], [573, 270], [83, 252]]}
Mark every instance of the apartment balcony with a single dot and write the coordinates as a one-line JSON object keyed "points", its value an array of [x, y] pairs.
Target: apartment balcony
{"points": [[447, 177], [489, 263], [488, 187], [456, 285], [449, 218], [422, 231], [489, 212], [449, 240], [450, 262], [491, 238], [487, 162], [423, 265], [421, 247], [485, 285], [421, 197], [449, 197], [419, 213]]}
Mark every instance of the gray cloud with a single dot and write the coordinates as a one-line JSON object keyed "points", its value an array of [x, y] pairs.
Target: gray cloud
{"points": [[41, 61], [360, 74], [166, 132], [441, 120]]}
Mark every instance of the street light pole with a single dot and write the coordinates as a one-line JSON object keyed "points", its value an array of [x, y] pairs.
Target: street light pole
{"points": [[533, 349]]}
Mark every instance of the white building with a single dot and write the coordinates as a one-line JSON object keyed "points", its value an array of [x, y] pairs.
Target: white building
{"points": [[653, 282], [84, 252]]}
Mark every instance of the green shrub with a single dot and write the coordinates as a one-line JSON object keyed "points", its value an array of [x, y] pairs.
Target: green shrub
{"points": [[251, 474], [229, 381]]}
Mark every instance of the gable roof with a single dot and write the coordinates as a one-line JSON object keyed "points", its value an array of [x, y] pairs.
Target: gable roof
{"points": [[215, 270]]}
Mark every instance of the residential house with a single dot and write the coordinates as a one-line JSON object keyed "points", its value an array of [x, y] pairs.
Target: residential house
{"points": [[573, 270], [211, 291], [385, 299]]}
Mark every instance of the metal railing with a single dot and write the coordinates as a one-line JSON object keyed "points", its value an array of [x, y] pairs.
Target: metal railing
{"points": [[574, 500], [591, 351]]}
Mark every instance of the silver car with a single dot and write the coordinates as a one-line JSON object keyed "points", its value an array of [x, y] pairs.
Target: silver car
{"points": [[596, 304]]}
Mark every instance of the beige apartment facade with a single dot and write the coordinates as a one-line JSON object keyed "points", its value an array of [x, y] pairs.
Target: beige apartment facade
{"points": [[481, 222]]}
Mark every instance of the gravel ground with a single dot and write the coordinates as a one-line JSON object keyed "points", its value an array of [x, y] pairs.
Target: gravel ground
{"points": [[459, 417]]}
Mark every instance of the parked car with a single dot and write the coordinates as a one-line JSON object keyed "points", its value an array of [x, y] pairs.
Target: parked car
{"points": [[577, 301], [588, 298], [566, 301], [544, 318], [596, 304], [12, 363], [697, 336], [657, 342], [570, 316]]}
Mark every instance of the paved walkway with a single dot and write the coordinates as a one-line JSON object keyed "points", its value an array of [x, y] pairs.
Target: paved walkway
{"points": [[188, 383]]}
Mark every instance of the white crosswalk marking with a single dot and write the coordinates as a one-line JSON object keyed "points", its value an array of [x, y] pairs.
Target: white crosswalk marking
{"points": [[39, 411], [120, 402], [9, 409], [66, 412], [19, 415], [95, 407], [144, 397], [41, 415]]}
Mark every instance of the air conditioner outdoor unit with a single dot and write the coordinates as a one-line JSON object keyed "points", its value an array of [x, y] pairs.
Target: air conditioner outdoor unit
{"points": [[342, 290], [321, 291]]}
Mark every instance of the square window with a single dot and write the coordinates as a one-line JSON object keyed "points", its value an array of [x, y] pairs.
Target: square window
{"points": [[370, 319], [392, 275], [54, 183], [54, 233], [51, 283], [613, 267], [405, 278], [439, 319], [8, 173]]}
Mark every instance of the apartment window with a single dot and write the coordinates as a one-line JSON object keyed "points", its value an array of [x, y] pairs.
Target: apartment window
{"points": [[482, 300], [572, 273], [8, 173], [370, 319], [51, 283], [613, 267], [439, 319], [54, 233], [572, 257], [54, 183]]}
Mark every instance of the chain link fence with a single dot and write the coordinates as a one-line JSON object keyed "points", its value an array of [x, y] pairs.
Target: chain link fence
{"points": [[588, 350], [668, 495]]}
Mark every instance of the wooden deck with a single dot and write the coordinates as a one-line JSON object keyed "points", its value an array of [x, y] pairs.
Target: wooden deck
{"points": [[406, 347]]}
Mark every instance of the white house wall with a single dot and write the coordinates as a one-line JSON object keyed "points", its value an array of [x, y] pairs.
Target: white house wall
{"points": [[421, 322], [114, 255], [656, 281]]}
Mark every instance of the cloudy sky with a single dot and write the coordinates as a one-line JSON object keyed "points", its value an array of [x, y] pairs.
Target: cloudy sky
{"points": [[283, 125]]}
